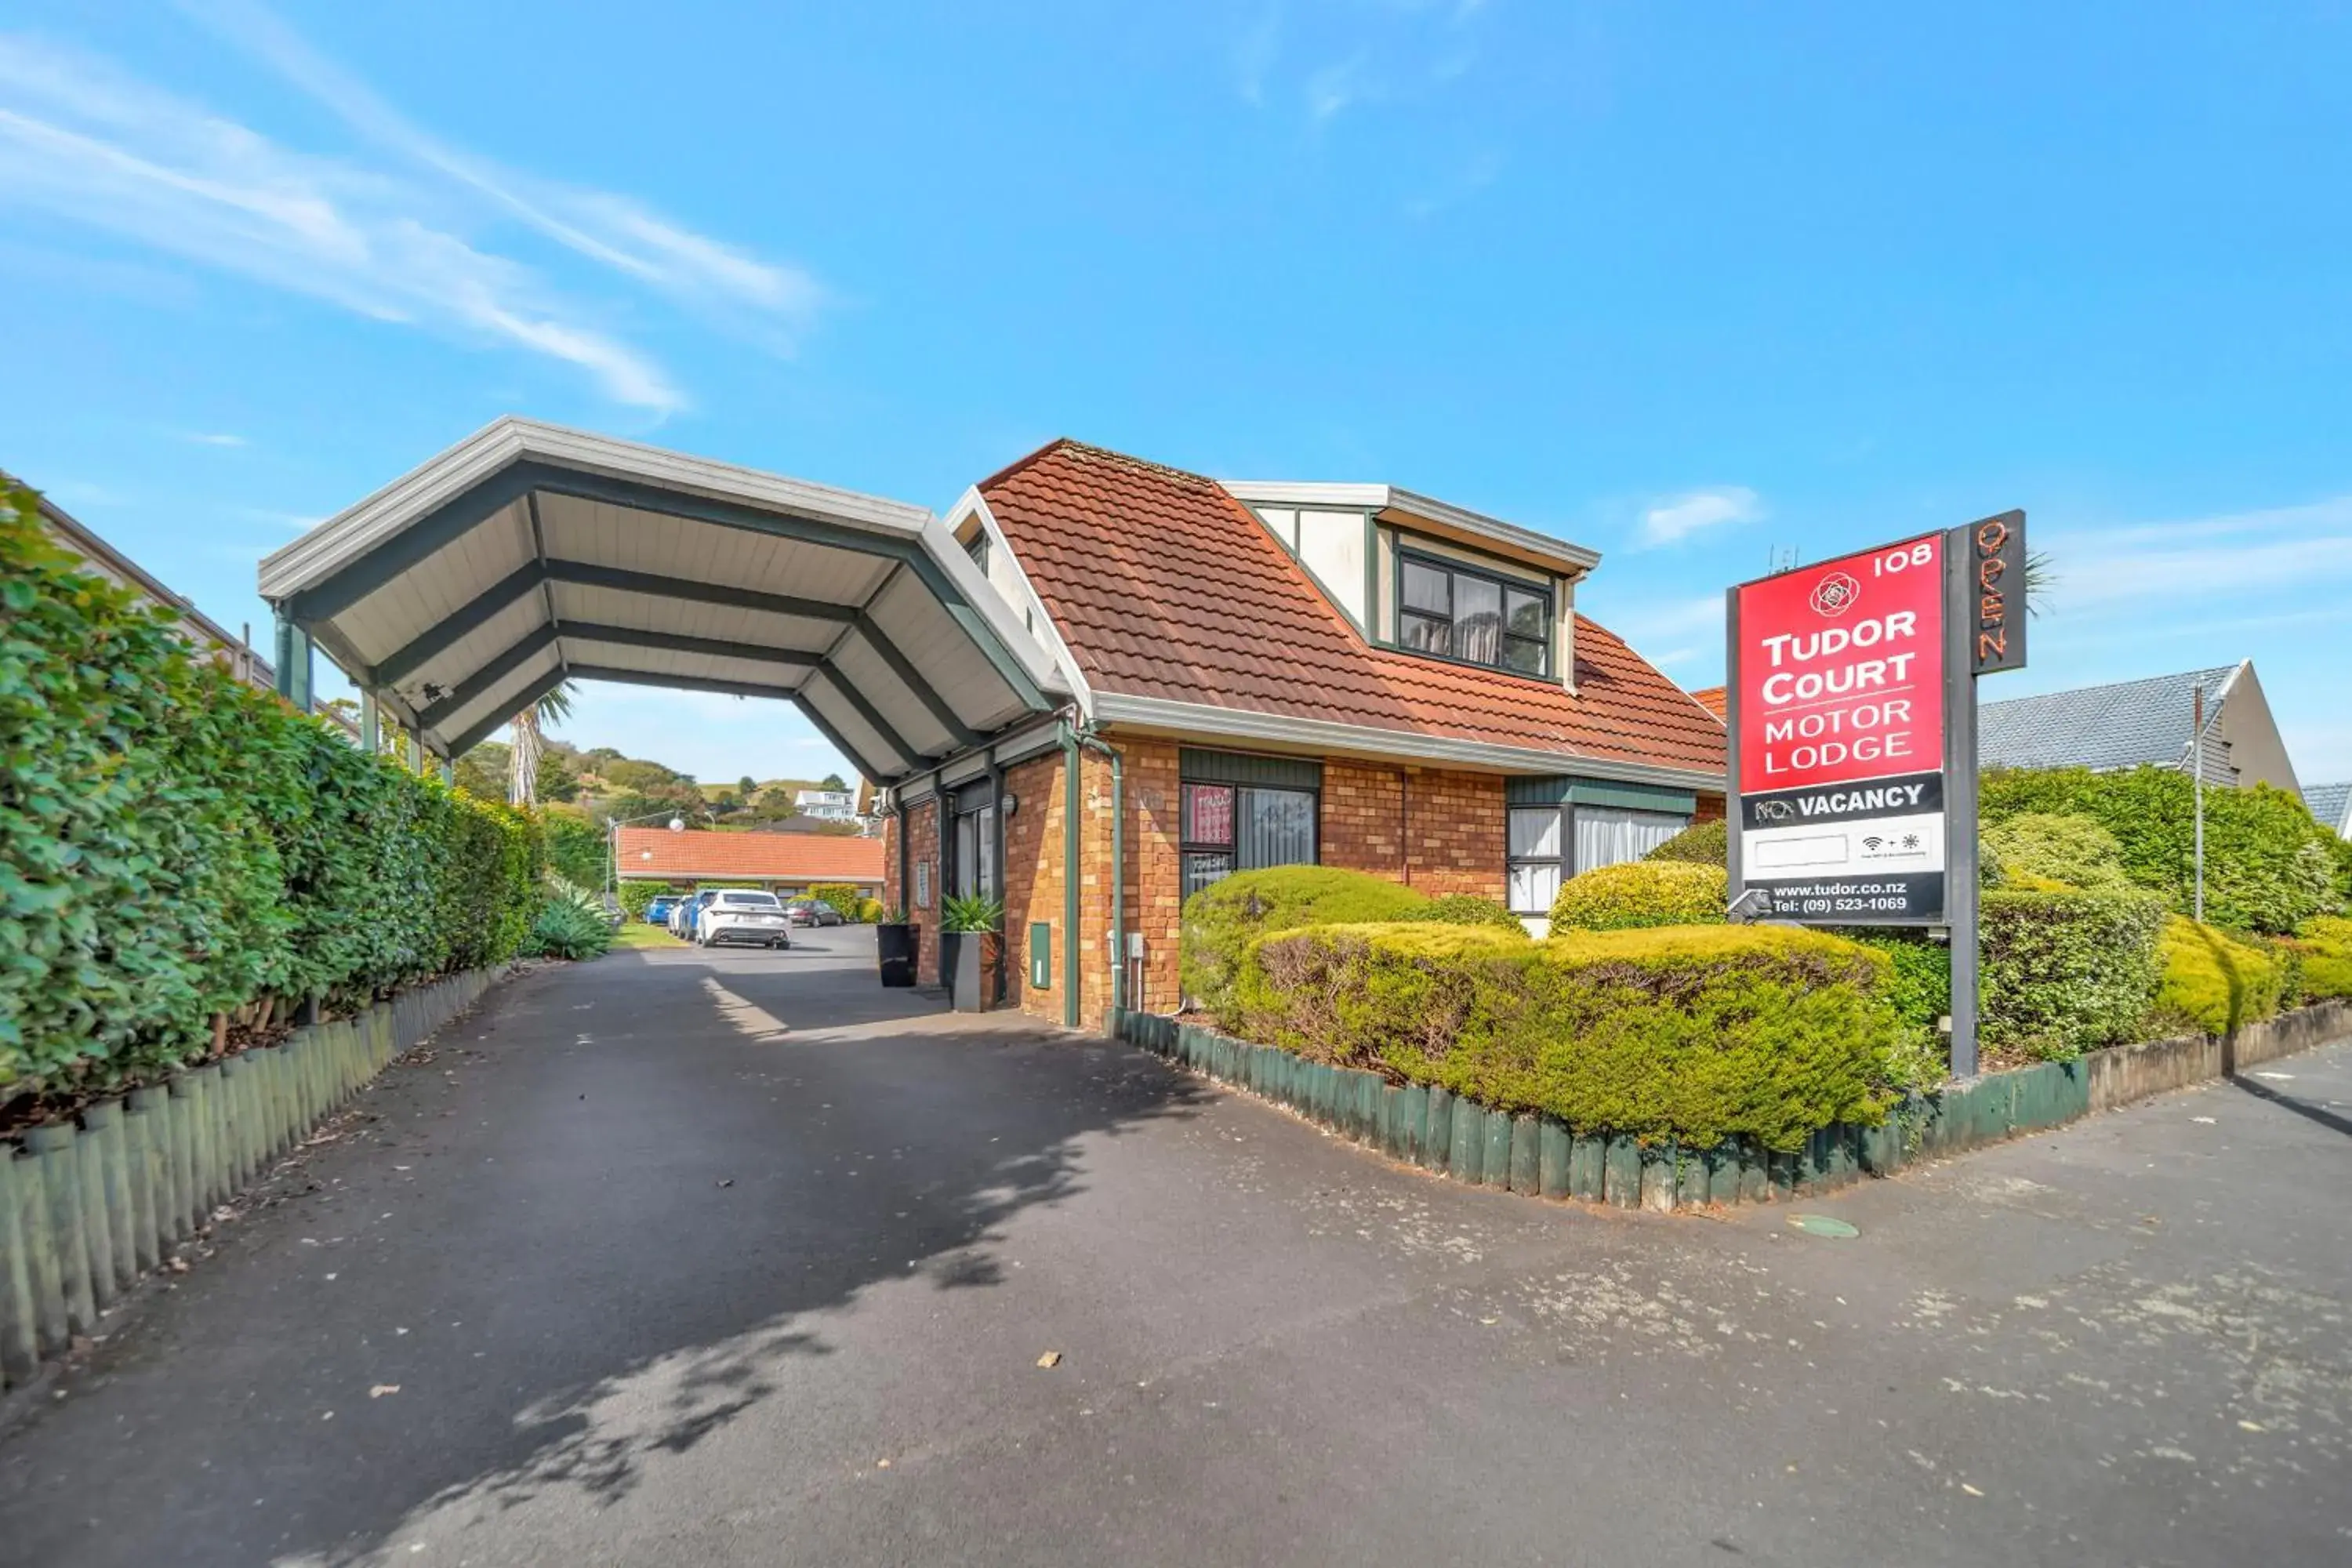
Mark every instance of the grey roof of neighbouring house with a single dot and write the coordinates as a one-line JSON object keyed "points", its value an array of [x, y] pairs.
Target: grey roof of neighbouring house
{"points": [[2331, 803], [2118, 726]]}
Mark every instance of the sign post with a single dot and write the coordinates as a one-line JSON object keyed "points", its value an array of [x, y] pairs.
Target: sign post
{"points": [[1852, 707]]}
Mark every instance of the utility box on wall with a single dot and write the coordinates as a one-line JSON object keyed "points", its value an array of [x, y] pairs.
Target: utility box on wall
{"points": [[1040, 955]]}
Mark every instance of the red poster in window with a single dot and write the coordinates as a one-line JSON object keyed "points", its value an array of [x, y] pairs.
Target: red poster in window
{"points": [[1840, 669], [1209, 814]]}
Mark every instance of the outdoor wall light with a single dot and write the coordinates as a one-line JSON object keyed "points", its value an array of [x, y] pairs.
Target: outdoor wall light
{"points": [[677, 825], [1011, 802]]}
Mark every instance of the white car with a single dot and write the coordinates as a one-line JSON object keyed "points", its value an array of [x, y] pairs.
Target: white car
{"points": [[738, 918]]}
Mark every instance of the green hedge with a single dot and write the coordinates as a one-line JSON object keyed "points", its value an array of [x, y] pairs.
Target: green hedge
{"points": [[174, 844], [842, 895], [2051, 847], [2067, 971], [1223, 918], [1642, 893], [1467, 910], [1696, 1033], [2268, 865]]}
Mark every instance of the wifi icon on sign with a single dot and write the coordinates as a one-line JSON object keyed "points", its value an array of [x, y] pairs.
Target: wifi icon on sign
{"points": [[1872, 844]]}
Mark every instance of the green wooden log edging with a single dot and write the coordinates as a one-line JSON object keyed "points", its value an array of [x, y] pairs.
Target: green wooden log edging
{"points": [[61, 1182], [98, 1236], [20, 1313], [148, 1144], [115, 1254], [184, 1200]]}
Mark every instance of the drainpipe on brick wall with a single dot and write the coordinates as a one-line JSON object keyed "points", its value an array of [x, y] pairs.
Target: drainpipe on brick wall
{"points": [[1069, 735], [1088, 738]]}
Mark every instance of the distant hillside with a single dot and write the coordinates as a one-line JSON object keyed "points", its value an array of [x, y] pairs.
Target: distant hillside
{"points": [[604, 783]]}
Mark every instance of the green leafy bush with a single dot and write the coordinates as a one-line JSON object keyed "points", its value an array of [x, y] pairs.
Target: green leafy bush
{"points": [[2268, 865], [1222, 918], [1641, 893], [870, 911], [842, 895], [2214, 982], [570, 924], [577, 850], [636, 897], [1692, 1033], [972, 913], [1920, 983], [1700, 844], [174, 845], [1467, 910], [2067, 971], [2072, 850]]}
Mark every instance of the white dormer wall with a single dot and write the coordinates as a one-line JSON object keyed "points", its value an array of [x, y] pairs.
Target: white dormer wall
{"points": [[1332, 544]]}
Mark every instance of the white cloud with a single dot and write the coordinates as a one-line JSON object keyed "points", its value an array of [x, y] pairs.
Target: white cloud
{"points": [[82, 140], [215, 438], [1334, 87], [613, 230], [2204, 558], [1675, 519]]}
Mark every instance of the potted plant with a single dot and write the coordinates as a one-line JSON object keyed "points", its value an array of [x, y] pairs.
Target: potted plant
{"points": [[895, 939], [972, 949]]}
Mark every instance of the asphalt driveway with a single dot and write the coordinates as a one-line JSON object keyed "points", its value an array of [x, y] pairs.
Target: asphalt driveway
{"points": [[721, 1258]]}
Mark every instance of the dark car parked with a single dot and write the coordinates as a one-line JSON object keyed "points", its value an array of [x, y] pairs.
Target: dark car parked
{"points": [[812, 912]]}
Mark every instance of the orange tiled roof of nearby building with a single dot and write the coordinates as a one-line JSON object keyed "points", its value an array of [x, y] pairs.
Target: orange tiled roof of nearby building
{"points": [[804, 857], [1712, 698], [1164, 585]]}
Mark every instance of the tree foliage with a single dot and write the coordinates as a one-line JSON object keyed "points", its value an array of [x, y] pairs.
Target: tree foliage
{"points": [[174, 844]]}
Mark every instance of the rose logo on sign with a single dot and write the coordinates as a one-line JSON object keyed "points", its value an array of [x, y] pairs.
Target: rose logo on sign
{"points": [[1836, 594]]}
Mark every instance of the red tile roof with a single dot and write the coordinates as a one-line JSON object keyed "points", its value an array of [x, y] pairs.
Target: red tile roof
{"points": [[1712, 698], [646, 852], [1164, 585]]}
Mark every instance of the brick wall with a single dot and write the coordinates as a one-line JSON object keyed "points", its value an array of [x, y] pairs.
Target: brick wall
{"points": [[920, 824], [1709, 809], [1033, 880], [1435, 831]]}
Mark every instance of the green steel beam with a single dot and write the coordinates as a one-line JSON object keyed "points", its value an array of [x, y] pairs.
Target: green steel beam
{"points": [[531, 642]]}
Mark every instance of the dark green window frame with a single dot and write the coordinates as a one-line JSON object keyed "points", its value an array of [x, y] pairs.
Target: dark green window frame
{"points": [[1409, 621]]}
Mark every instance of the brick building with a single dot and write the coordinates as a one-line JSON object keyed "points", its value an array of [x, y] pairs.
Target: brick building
{"points": [[1262, 674]]}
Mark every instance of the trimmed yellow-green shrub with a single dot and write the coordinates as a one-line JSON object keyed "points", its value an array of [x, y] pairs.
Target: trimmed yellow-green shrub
{"points": [[1641, 893], [1697, 1033], [1700, 844], [1467, 910], [1222, 918], [2217, 984], [2325, 944], [2058, 847], [2065, 970], [843, 896]]}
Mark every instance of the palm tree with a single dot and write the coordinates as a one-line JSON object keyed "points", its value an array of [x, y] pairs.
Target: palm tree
{"points": [[522, 761]]}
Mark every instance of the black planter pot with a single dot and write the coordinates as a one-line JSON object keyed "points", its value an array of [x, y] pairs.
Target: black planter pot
{"points": [[895, 946]]}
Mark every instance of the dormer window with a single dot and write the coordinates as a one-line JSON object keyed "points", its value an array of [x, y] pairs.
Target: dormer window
{"points": [[1454, 612]]}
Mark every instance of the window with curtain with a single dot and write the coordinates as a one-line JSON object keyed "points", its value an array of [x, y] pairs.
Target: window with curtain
{"points": [[1551, 843], [1534, 860], [1608, 836], [1239, 827], [1458, 613]]}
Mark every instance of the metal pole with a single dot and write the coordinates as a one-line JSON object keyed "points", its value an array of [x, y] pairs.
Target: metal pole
{"points": [[368, 727], [2197, 773], [1960, 797], [1735, 816]]}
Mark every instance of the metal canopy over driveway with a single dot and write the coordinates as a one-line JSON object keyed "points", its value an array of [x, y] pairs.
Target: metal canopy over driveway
{"points": [[529, 554]]}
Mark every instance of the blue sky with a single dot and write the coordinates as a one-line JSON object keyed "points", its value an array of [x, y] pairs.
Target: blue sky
{"points": [[1687, 283]]}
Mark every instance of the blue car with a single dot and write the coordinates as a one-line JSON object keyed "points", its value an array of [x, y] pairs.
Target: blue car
{"points": [[658, 911]]}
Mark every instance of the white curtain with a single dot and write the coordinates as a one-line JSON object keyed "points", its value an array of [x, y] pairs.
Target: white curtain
{"points": [[1607, 836]]}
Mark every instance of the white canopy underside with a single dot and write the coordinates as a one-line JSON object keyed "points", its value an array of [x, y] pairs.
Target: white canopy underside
{"points": [[529, 554]]}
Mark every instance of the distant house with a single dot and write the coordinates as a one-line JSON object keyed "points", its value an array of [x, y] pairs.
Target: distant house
{"points": [[2137, 722], [784, 863], [1713, 700], [827, 805], [2332, 804]]}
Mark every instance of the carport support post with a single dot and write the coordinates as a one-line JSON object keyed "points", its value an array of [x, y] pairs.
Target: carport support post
{"points": [[293, 662], [368, 728], [1073, 975]]}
